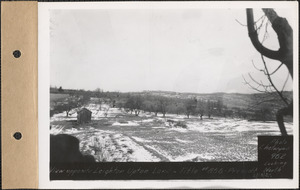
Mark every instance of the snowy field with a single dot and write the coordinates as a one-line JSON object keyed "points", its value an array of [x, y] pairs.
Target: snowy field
{"points": [[116, 136]]}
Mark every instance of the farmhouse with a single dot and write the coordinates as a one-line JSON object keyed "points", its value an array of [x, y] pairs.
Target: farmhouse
{"points": [[84, 115]]}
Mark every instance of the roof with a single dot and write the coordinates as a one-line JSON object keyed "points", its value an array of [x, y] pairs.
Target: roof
{"points": [[84, 110]]}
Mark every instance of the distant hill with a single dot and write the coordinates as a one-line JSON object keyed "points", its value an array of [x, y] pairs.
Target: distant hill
{"points": [[231, 100]]}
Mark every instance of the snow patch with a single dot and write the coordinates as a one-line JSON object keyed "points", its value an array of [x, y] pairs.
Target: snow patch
{"points": [[226, 126], [158, 127], [178, 129], [140, 139], [138, 152], [193, 157], [147, 120], [56, 129]]}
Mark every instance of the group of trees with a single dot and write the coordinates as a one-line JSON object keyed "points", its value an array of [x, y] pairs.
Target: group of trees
{"points": [[71, 102], [135, 103], [163, 105]]}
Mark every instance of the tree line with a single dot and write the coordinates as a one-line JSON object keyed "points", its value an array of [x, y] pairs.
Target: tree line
{"points": [[135, 103], [162, 105]]}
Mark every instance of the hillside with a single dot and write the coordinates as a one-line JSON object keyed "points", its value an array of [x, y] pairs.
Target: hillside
{"points": [[231, 100]]}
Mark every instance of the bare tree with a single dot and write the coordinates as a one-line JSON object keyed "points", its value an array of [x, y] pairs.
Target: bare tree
{"points": [[284, 54], [200, 108], [69, 103], [134, 103], [190, 107], [209, 108], [99, 94], [163, 105]]}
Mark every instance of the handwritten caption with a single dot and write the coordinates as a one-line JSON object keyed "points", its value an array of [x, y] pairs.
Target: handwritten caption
{"points": [[154, 171], [276, 157]]}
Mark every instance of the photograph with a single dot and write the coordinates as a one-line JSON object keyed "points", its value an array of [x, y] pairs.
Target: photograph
{"points": [[176, 85], [168, 95]]}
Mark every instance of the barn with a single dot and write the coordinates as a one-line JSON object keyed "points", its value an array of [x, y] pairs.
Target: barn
{"points": [[84, 116]]}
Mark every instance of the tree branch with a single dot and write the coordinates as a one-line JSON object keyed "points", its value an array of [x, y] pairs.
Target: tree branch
{"points": [[287, 78], [285, 38], [255, 88], [255, 41], [276, 69], [271, 82]]}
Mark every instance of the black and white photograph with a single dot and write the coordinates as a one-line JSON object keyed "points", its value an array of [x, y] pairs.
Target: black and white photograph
{"points": [[162, 85]]}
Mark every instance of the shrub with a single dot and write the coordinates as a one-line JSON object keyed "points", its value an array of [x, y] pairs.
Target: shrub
{"points": [[180, 124]]}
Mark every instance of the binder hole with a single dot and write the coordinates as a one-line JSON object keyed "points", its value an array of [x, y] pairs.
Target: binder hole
{"points": [[17, 53], [18, 135]]}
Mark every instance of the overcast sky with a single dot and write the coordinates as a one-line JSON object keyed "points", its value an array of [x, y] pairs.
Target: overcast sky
{"points": [[183, 50]]}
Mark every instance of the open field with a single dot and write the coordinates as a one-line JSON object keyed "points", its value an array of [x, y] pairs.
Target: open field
{"points": [[115, 135]]}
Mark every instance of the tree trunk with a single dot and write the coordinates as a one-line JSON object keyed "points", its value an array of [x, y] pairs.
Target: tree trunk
{"points": [[137, 113], [279, 117], [284, 54], [285, 38]]}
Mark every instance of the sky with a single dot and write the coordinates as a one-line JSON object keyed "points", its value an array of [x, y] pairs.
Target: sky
{"points": [[182, 50]]}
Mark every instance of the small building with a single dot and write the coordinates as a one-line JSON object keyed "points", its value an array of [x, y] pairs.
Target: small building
{"points": [[84, 116]]}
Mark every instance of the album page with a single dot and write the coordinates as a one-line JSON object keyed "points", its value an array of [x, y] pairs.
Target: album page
{"points": [[168, 95]]}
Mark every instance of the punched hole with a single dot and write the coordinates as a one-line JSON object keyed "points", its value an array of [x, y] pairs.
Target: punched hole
{"points": [[17, 53], [18, 135]]}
